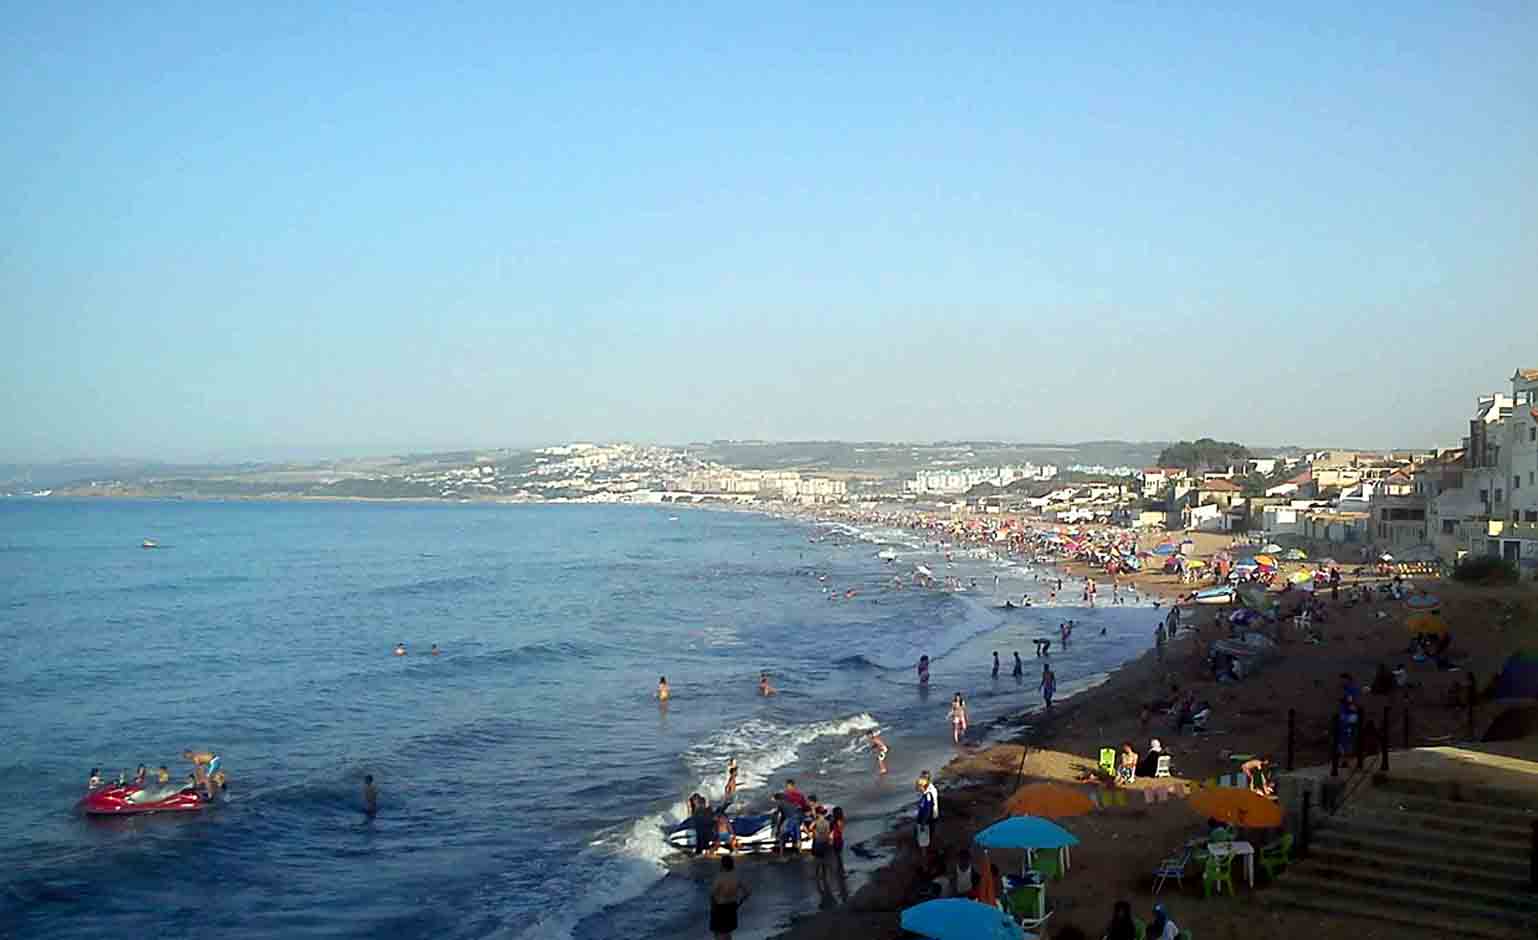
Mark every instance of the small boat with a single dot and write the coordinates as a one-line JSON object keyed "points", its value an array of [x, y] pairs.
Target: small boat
{"points": [[149, 543], [755, 835], [125, 799]]}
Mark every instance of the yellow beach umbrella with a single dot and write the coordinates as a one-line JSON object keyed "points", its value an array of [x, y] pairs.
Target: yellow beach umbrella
{"points": [[1195, 563], [1234, 805], [1049, 801], [1426, 623], [1298, 577], [1266, 560]]}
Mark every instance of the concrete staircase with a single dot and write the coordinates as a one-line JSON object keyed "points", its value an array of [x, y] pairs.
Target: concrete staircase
{"points": [[1402, 853]]}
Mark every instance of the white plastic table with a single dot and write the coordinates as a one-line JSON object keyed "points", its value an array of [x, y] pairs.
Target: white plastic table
{"points": [[1242, 849]]}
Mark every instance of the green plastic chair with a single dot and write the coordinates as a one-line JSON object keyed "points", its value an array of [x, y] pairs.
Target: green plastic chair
{"points": [[1108, 760], [1186, 934], [1047, 863], [1277, 855], [1140, 927], [1219, 872]]}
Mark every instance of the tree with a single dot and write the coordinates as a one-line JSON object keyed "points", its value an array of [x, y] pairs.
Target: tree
{"points": [[1204, 454]]}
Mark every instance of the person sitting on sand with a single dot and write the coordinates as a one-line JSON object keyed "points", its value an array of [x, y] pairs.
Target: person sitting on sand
{"points": [[1122, 926], [1127, 769]]}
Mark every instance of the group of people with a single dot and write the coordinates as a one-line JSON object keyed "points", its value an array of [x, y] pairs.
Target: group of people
{"points": [[207, 776]]}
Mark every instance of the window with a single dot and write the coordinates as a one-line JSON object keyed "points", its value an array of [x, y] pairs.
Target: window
{"points": [[1484, 496], [1499, 496], [1449, 526], [1532, 433], [1532, 516], [1516, 481]]}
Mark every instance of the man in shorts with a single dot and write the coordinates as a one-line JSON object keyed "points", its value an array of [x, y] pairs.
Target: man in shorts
{"points": [[924, 816]]}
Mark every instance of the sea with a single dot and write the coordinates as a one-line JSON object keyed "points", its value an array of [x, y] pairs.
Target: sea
{"points": [[527, 773]]}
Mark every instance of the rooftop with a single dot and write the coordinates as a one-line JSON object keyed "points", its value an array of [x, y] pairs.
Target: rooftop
{"points": [[1220, 486], [1527, 375]]}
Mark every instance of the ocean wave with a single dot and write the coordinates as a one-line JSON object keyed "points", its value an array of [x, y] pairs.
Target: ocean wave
{"points": [[432, 586], [622, 863]]}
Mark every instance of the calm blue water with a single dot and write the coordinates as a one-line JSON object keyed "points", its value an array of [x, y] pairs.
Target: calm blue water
{"points": [[526, 772]]}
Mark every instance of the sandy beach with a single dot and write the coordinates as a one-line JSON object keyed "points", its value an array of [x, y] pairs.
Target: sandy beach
{"points": [[1122, 845]]}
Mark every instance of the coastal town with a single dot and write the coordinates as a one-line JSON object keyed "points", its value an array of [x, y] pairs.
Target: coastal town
{"points": [[1478, 495]]}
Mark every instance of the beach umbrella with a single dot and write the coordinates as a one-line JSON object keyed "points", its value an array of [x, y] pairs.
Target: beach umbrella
{"points": [[1272, 547], [1385, 557], [1238, 806], [1026, 832], [1243, 616], [1295, 554], [1165, 549], [1049, 801], [960, 919], [1299, 577], [1426, 622], [1328, 563], [1195, 563], [1266, 560]]}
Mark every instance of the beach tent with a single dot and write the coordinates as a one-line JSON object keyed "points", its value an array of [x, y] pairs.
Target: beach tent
{"points": [[1519, 677]]}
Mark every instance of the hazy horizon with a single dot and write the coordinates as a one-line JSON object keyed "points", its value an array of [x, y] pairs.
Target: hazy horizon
{"points": [[296, 230]]}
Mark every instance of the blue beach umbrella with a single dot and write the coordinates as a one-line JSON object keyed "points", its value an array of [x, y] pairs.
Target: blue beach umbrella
{"points": [[960, 919], [1165, 549], [1026, 832]]}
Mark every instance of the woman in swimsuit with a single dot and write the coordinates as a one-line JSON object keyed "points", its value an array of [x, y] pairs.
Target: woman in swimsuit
{"points": [[879, 746], [958, 717]]}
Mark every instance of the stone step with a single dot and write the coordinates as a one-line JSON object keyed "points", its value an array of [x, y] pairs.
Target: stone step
{"points": [[1409, 846], [1411, 921], [1506, 817], [1354, 860], [1431, 888], [1518, 837], [1450, 791], [1464, 911], [1430, 840]]}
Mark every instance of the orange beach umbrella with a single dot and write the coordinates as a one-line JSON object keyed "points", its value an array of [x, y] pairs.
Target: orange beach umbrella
{"points": [[1244, 808], [1426, 623], [1049, 801]]}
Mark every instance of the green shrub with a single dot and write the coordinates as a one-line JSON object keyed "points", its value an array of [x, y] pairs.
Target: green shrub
{"points": [[1486, 570]]}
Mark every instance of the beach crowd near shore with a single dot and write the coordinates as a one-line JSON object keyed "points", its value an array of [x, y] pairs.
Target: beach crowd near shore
{"points": [[1208, 714]]}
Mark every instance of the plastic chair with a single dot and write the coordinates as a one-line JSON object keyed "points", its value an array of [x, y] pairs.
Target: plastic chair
{"points": [[1219, 872], [1047, 863], [1172, 867], [1162, 766], [1108, 761], [1277, 855], [1028, 905]]}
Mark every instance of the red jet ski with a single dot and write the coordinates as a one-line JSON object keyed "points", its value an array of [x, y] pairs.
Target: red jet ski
{"points": [[121, 799]]}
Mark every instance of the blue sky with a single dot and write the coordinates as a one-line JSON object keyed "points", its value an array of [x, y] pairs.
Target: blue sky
{"points": [[323, 229]]}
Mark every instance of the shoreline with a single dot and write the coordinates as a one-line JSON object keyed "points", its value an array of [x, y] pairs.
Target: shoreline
{"points": [[1121, 845]]}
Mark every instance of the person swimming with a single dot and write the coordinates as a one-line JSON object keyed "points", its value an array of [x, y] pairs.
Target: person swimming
{"points": [[400, 649], [924, 670], [764, 688], [663, 693], [370, 796], [434, 651]]}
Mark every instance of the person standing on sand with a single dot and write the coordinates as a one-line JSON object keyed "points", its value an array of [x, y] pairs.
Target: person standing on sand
{"points": [[995, 664], [726, 896], [1048, 684]]}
